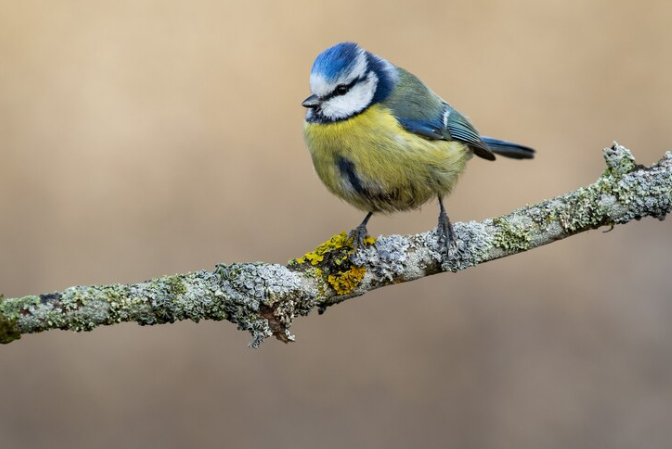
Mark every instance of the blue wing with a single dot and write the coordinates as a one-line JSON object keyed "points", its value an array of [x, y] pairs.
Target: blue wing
{"points": [[422, 112], [423, 128], [449, 125]]}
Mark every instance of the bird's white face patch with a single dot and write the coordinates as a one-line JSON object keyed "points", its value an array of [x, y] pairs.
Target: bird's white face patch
{"points": [[356, 100], [360, 95]]}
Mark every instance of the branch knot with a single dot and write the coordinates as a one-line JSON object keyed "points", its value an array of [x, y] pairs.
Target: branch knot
{"points": [[620, 160]]}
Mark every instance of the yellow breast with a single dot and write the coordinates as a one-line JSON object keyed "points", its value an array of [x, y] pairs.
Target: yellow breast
{"points": [[374, 164]]}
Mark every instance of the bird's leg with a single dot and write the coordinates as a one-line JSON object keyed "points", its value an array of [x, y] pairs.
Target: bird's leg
{"points": [[360, 233], [445, 228]]}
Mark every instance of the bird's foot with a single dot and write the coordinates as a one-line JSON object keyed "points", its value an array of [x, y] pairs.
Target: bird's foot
{"points": [[358, 236], [445, 232]]}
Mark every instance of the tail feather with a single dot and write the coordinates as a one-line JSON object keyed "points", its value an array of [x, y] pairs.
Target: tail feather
{"points": [[509, 149]]}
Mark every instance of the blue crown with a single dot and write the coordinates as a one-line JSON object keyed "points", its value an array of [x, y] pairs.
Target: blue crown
{"points": [[336, 60]]}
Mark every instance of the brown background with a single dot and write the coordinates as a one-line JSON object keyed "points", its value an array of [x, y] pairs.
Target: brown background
{"points": [[140, 138]]}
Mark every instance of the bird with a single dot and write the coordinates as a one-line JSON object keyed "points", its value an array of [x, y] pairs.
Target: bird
{"points": [[384, 142]]}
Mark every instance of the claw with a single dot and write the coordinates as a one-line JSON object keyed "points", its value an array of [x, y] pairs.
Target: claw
{"points": [[446, 235], [358, 235]]}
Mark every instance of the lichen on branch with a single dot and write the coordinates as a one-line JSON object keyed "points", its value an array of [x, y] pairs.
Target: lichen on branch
{"points": [[264, 299]]}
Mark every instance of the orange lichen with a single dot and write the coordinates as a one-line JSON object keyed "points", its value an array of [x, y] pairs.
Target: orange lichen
{"points": [[346, 281], [338, 242]]}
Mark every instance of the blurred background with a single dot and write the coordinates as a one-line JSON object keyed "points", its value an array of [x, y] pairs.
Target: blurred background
{"points": [[147, 137]]}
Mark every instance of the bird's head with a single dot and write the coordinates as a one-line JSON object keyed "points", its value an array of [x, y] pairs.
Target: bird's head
{"points": [[345, 81]]}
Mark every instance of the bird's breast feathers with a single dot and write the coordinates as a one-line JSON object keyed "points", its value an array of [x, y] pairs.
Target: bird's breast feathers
{"points": [[372, 162]]}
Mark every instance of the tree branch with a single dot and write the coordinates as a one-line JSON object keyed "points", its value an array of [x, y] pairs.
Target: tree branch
{"points": [[265, 298]]}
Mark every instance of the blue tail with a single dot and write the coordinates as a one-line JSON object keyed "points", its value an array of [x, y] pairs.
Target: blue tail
{"points": [[508, 149]]}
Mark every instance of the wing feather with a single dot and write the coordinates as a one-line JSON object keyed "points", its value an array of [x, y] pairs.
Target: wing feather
{"points": [[422, 112]]}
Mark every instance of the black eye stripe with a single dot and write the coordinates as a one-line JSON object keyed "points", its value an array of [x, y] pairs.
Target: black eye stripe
{"points": [[335, 93], [341, 89]]}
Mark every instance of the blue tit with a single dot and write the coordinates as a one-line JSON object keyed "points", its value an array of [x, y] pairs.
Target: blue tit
{"points": [[383, 141]]}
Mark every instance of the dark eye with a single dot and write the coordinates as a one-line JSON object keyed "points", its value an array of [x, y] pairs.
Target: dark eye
{"points": [[341, 89]]}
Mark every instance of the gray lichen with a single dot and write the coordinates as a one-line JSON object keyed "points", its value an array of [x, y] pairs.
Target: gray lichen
{"points": [[251, 288], [473, 243], [264, 299], [646, 192], [390, 257], [619, 159]]}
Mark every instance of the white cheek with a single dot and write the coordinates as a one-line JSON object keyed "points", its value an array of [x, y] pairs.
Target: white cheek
{"points": [[356, 100]]}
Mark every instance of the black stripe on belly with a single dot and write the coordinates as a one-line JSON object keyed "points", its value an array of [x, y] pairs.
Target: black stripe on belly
{"points": [[376, 197], [347, 169]]}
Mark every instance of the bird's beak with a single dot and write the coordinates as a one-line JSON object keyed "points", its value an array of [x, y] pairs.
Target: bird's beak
{"points": [[311, 102]]}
